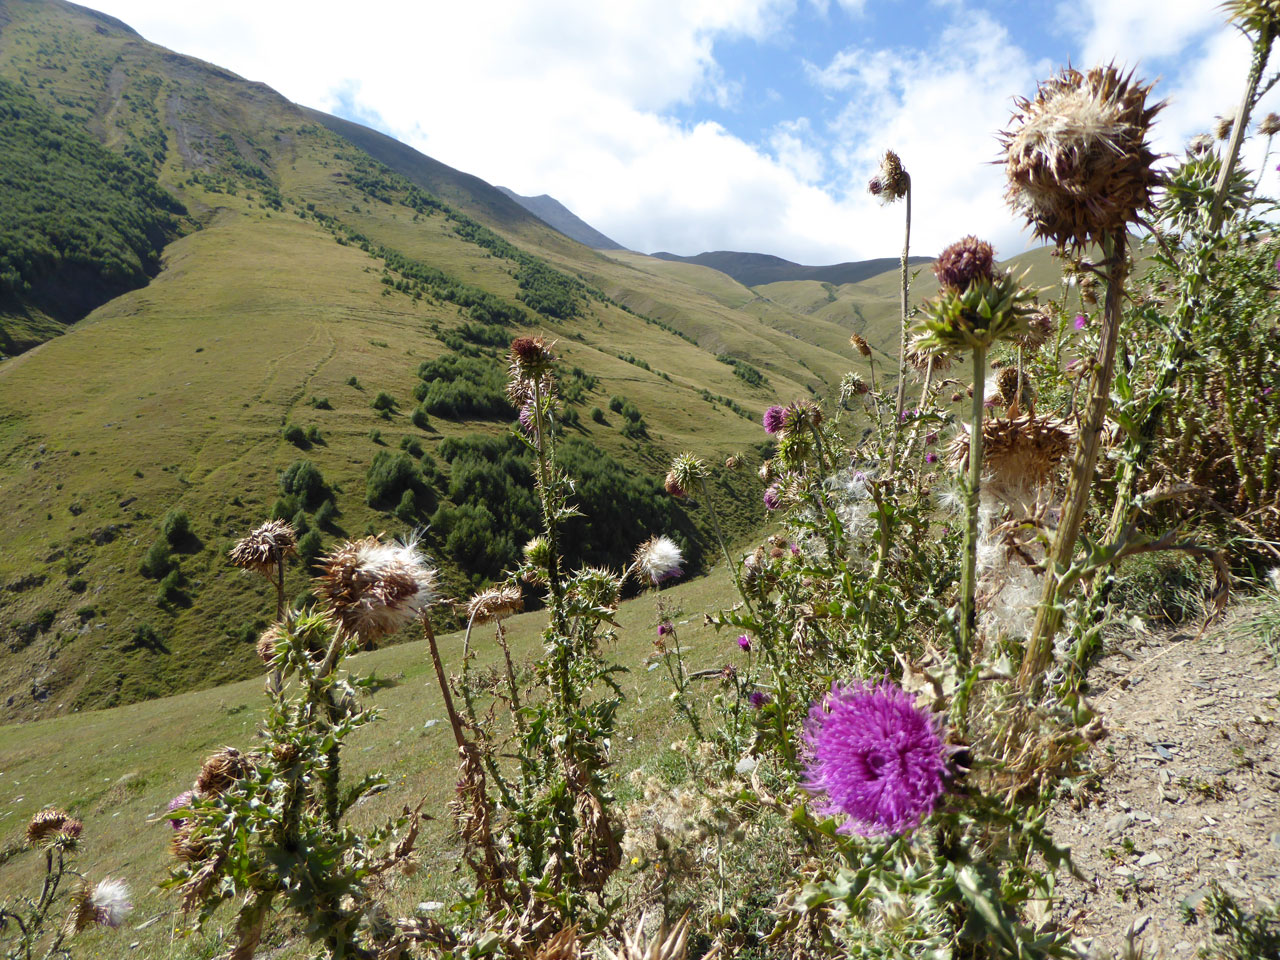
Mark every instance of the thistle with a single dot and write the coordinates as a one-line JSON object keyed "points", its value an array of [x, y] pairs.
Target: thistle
{"points": [[859, 343], [221, 770], [51, 827], [876, 760], [265, 548], [891, 182], [373, 589], [656, 560], [496, 603], [1077, 158], [977, 306], [1080, 170]]}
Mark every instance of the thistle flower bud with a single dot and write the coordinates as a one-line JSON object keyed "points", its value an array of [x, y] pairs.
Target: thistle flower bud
{"points": [[859, 343], [767, 471], [852, 385], [985, 311], [537, 559], [687, 472], [597, 589], [733, 461], [1077, 158], [963, 262], [265, 549], [268, 642]]}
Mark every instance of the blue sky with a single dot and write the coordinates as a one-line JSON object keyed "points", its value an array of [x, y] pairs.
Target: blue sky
{"points": [[690, 125]]}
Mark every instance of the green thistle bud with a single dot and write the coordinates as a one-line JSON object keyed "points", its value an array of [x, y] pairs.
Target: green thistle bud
{"points": [[986, 311]]}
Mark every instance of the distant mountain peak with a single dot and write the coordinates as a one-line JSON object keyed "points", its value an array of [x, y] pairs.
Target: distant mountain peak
{"points": [[556, 215], [755, 269]]}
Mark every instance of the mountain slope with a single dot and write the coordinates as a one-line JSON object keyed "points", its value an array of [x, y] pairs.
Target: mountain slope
{"points": [[310, 279], [552, 211], [754, 269]]}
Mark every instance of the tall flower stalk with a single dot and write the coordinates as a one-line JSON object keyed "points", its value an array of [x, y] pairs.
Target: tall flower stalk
{"points": [[890, 184], [1080, 170]]}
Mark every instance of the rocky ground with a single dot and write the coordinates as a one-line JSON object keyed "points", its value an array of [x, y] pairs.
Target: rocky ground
{"points": [[1188, 790]]}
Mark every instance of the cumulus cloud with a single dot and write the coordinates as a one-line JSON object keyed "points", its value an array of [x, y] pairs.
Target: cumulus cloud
{"points": [[609, 107]]}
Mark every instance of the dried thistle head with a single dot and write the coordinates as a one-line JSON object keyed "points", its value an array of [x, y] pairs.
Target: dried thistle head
{"points": [[667, 944], [918, 356], [52, 827], [1018, 454], [1269, 125], [891, 182], [496, 603], [1222, 127], [268, 642], [1077, 158], [1039, 329], [1255, 16], [186, 846], [266, 548], [656, 560], [1007, 382], [859, 343], [221, 770], [373, 589], [563, 946], [965, 261]]}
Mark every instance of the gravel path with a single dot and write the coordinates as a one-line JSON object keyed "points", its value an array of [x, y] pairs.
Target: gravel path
{"points": [[1189, 790]]}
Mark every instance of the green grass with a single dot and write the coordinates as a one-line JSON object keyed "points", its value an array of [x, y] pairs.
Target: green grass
{"points": [[118, 768]]}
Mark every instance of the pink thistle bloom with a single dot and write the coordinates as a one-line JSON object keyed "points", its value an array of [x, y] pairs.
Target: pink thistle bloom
{"points": [[877, 758], [745, 643], [527, 418], [771, 499], [664, 629], [177, 803], [1081, 322], [930, 457], [774, 418], [757, 698]]}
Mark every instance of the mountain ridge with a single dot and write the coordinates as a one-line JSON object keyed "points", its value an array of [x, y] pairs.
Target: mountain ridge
{"points": [[756, 269], [556, 214]]}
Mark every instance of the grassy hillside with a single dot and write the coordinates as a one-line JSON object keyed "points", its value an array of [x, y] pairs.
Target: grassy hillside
{"points": [[118, 768], [313, 279]]}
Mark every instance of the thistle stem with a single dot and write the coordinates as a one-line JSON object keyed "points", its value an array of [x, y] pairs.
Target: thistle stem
{"points": [[1261, 52], [972, 493], [454, 721], [1049, 614], [902, 337], [715, 526]]}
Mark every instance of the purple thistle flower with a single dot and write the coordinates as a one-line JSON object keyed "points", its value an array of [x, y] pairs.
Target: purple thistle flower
{"points": [[774, 418], [771, 499], [930, 457], [526, 417], [1081, 322], [931, 438], [177, 803], [664, 629], [745, 643], [757, 699], [877, 757]]}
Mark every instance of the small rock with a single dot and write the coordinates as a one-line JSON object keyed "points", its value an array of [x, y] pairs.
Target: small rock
{"points": [[1150, 859], [1120, 822]]}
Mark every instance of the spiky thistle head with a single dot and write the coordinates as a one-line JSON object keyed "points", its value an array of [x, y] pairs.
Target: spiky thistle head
{"points": [[859, 343], [221, 770], [53, 828], [269, 643], [1018, 454], [1255, 16], [537, 560], [1222, 127], [667, 944], [919, 354], [266, 548], [595, 590], [987, 310], [1007, 383], [965, 261], [1076, 155], [686, 473], [531, 357], [875, 759], [852, 385], [891, 182], [496, 603], [373, 589], [1039, 329], [1269, 125], [656, 560]]}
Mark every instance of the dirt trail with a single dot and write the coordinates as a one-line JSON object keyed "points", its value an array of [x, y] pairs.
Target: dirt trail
{"points": [[1189, 791]]}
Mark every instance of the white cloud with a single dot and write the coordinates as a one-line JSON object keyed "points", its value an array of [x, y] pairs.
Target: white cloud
{"points": [[583, 100]]}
